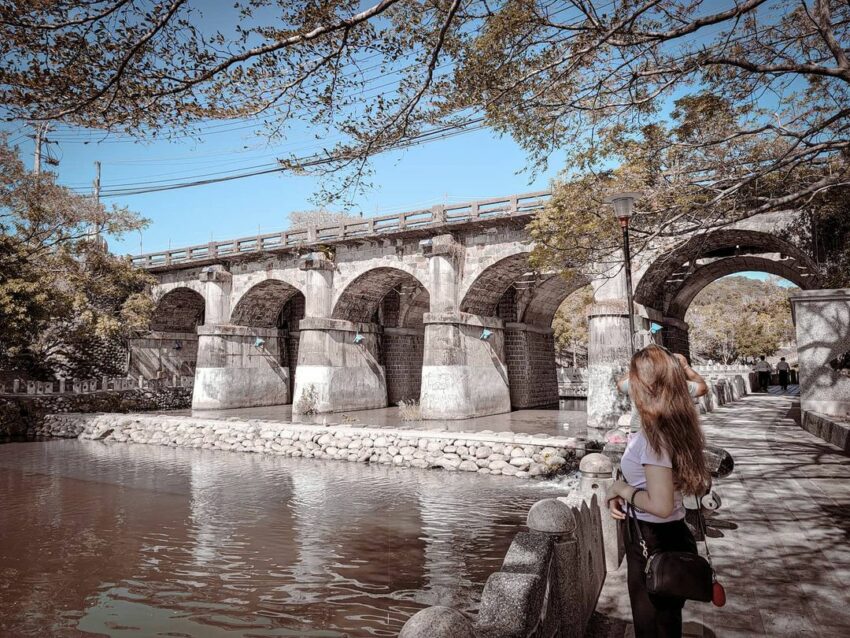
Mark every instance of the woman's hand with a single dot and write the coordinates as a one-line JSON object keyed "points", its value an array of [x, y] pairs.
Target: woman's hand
{"points": [[616, 490], [617, 507]]}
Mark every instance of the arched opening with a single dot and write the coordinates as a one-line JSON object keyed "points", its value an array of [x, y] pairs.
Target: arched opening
{"points": [[740, 317], [170, 349], [275, 307], [394, 301], [178, 310], [527, 302], [672, 282]]}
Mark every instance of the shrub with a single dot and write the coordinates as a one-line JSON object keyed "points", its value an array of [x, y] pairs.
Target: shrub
{"points": [[409, 410]]}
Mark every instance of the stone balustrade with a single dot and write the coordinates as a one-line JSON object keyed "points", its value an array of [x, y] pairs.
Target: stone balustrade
{"points": [[551, 577], [86, 386], [572, 382]]}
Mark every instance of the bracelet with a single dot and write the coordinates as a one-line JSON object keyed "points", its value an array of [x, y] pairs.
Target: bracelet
{"points": [[632, 499]]}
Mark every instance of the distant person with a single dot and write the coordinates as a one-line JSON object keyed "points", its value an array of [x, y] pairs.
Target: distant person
{"points": [[784, 373], [763, 369]]}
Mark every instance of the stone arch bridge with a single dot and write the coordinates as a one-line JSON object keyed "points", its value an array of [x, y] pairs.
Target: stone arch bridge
{"points": [[437, 305]]}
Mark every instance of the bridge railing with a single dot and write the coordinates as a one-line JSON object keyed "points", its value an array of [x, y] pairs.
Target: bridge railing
{"points": [[515, 205]]}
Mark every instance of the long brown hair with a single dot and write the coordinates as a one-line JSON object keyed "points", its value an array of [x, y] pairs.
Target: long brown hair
{"points": [[659, 389]]}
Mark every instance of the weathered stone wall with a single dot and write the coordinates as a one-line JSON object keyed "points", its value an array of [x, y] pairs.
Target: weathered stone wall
{"points": [[530, 354], [163, 354], [402, 351], [822, 320], [21, 415], [519, 455]]}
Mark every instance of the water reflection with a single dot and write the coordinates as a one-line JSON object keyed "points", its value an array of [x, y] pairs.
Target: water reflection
{"points": [[132, 540]]}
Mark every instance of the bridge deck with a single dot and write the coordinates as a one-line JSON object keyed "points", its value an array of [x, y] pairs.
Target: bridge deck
{"points": [[780, 540], [417, 222]]}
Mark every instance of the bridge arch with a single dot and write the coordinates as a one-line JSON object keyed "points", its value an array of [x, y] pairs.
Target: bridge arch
{"points": [[180, 309], [359, 300], [261, 304], [672, 282], [396, 301], [526, 301]]}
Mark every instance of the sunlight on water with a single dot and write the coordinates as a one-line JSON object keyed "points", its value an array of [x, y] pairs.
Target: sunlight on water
{"points": [[132, 540]]}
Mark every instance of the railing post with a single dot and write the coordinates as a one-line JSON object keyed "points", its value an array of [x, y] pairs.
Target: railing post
{"points": [[439, 214], [312, 234], [212, 251]]}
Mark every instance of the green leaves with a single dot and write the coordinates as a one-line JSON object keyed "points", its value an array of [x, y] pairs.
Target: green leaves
{"points": [[59, 290]]}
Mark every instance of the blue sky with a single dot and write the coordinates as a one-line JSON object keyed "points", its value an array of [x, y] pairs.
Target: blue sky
{"points": [[474, 165]]}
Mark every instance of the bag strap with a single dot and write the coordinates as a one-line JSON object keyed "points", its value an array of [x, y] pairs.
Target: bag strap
{"points": [[632, 519]]}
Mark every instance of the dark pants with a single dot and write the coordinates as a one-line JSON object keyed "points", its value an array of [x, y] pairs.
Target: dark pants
{"points": [[783, 379], [655, 616], [764, 380]]}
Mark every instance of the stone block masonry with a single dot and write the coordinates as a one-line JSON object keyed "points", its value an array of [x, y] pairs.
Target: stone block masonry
{"points": [[506, 454], [22, 415]]}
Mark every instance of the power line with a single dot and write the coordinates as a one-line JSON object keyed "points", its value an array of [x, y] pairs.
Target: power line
{"points": [[306, 162]]}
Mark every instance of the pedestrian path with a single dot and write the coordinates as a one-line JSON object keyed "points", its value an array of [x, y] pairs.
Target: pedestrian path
{"points": [[781, 540]]}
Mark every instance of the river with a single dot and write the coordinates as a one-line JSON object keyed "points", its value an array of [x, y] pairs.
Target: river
{"points": [[123, 540]]}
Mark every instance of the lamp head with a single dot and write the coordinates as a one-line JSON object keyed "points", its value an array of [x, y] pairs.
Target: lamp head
{"points": [[358, 338], [259, 342], [623, 203], [486, 334]]}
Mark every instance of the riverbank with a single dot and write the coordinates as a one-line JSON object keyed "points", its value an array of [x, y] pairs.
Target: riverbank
{"points": [[492, 453]]}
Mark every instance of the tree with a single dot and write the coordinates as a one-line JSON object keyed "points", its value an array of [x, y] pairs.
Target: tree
{"points": [[762, 84], [59, 290], [736, 318], [571, 325]]}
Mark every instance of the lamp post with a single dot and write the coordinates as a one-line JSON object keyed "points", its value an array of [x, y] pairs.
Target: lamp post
{"points": [[623, 204]]}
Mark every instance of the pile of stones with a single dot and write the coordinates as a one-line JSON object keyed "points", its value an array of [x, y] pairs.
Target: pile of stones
{"points": [[516, 455]]}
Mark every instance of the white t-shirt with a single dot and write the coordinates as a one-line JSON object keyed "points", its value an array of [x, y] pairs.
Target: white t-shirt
{"points": [[638, 454], [762, 366], [783, 365]]}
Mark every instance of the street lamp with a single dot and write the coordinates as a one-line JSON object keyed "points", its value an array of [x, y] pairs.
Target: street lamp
{"points": [[624, 204]]}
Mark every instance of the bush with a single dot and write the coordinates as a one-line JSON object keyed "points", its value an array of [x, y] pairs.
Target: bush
{"points": [[409, 410], [308, 402]]}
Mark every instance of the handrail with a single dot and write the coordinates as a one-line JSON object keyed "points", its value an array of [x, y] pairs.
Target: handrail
{"points": [[440, 215]]}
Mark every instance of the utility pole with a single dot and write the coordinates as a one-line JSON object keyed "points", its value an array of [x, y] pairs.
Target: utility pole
{"points": [[96, 185], [40, 132]]}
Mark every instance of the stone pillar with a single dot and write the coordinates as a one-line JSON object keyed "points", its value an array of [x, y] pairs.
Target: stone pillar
{"points": [[338, 367], [239, 366], [822, 320], [464, 373], [596, 477], [444, 256], [607, 360], [530, 355], [674, 335]]}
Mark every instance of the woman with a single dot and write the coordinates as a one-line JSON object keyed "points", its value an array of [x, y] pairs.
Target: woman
{"points": [[662, 461]]}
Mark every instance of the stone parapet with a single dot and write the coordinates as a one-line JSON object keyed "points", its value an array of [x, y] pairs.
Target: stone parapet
{"points": [[548, 584], [829, 428]]}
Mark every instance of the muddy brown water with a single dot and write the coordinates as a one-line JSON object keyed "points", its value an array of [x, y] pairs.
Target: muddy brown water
{"points": [[123, 540]]}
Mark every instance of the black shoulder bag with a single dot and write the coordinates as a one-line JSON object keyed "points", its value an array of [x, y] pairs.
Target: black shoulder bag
{"points": [[679, 574]]}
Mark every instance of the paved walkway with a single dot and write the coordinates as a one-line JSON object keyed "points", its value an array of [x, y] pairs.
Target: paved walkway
{"points": [[779, 541]]}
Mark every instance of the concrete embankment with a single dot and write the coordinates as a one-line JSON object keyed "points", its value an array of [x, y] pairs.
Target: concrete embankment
{"points": [[503, 453]]}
